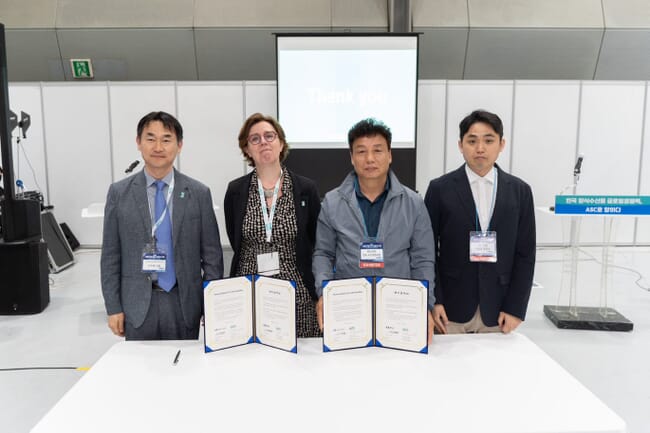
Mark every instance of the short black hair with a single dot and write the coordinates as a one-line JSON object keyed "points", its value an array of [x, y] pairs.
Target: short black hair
{"points": [[168, 121], [481, 116], [368, 128]]}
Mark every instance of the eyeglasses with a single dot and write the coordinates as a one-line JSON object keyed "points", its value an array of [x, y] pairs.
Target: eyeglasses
{"points": [[268, 136]]}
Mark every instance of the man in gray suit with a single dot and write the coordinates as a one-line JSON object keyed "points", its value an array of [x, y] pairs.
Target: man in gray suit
{"points": [[160, 242]]}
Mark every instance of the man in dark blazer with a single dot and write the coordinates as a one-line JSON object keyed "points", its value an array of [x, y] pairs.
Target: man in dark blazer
{"points": [[484, 228], [137, 304]]}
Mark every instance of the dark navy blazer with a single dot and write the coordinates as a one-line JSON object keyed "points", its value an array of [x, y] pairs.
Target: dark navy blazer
{"points": [[461, 285]]}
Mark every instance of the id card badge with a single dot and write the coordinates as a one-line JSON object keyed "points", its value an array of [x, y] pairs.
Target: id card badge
{"points": [[371, 255], [268, 264], [153, 260], [483, 247]]}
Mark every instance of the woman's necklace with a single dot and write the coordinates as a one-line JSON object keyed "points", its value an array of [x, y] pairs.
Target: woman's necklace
{"points": [[268, 192]]}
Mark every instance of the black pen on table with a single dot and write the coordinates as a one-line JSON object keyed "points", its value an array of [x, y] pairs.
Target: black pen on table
{"points": [[178, 354]]}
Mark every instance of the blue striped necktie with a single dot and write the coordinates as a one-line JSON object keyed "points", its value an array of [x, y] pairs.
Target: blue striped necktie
{"points": [[166, 279]]}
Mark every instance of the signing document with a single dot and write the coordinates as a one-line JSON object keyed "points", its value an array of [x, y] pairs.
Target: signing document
{"points": [[401, 313], [347, 313], [250, 309], [228, 313], [375, 311], [275, 313]]}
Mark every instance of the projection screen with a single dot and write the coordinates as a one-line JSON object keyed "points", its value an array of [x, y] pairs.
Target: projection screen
{"points": [[326, 83]]}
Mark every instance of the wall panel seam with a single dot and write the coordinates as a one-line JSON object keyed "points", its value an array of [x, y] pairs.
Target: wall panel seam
{"points": [[512, 127], [445, 132], [45, 161], [643, 143], [178, 157], [110, 132]]}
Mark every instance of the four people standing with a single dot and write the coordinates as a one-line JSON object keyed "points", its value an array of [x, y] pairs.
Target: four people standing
{"points": [[477, 227]]}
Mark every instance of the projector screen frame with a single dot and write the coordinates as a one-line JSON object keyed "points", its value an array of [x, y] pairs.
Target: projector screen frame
{"points": [[328, 167], [396, 142]]}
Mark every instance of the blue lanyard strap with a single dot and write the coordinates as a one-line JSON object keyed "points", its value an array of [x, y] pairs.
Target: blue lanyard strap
{"points": [[357, 188], [365, 229], [268, 216], [494, 191]]}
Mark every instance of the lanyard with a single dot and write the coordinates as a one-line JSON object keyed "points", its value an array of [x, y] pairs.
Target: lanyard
{"points": [[363, 217], [365, 228], [170, 190], [268, 216], [494, 190]]}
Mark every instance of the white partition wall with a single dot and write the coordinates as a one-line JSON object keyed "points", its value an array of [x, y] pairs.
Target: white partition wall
{"points": [[260, 97], [611, 123], [543, 143], [83, 137], [463, 97], [77, 136], [643, 224], [29, 155], [430, 150], [129, 102], [211, 116]]}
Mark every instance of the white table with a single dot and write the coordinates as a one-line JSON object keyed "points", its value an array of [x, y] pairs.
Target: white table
{"points": [[470, 383], [94, 210]]}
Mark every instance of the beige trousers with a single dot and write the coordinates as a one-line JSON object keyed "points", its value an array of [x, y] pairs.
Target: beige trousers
{"points": [[474, 326]]}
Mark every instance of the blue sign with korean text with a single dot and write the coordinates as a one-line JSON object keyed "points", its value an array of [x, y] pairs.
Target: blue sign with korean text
{"points": [[602, 204]]}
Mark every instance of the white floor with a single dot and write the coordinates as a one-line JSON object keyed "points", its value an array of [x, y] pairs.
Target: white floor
{"points": [[72, 332]]}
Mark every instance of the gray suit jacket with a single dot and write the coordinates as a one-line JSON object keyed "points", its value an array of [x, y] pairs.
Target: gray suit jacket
{"points": [[127, 228], [404, 228]]}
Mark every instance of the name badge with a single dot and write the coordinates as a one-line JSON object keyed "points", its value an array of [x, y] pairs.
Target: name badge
{"points": [[268, 264], [371, 255], [483, 247], [154, 262]]}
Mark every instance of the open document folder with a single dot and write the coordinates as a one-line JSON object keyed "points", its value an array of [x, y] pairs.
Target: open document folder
{"points": [[250, 309], [375, 311]]}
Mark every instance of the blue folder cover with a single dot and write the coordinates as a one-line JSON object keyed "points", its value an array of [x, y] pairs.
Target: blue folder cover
{"points": [[206, 348]]}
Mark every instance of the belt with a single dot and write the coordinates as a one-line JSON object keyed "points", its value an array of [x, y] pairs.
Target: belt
{"points": [[156, 288]]}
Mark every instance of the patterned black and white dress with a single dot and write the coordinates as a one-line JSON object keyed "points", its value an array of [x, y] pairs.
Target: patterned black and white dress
{"points": [[283, 240]]}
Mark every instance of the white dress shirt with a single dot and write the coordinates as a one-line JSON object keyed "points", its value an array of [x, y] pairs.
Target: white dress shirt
{"points": [[484, 191]]}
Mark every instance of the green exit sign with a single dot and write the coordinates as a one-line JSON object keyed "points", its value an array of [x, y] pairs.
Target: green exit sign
{"points": [[81, 68]]}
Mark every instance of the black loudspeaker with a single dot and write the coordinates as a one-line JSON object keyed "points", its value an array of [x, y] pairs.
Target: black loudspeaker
{"points": [[58, 249], [21, 220], [72, 239], [24, 286]]}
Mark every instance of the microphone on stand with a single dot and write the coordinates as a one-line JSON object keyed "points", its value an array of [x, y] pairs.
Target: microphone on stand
{"points": [[576, 172], [130, 168], [578, 166], [576, 177]]}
